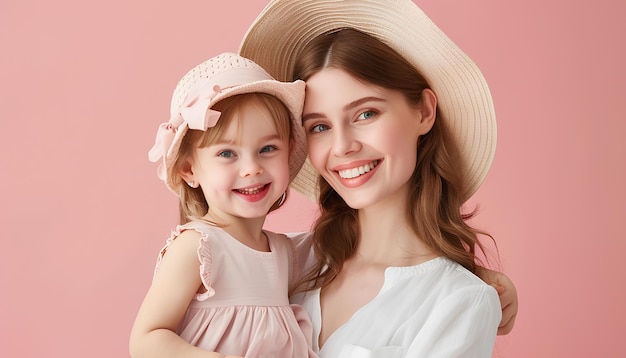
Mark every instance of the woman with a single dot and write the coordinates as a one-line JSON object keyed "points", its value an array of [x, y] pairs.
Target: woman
{"points": [[401, 127]]}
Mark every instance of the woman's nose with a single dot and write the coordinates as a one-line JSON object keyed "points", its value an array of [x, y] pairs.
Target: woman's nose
{"points": [[344, 143]]}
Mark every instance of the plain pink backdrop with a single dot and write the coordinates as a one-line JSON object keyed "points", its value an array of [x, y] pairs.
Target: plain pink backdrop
{"points": [[83, 86]]}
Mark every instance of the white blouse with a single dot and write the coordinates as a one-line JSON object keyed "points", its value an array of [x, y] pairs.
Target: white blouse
{"points": [[434, 309]]}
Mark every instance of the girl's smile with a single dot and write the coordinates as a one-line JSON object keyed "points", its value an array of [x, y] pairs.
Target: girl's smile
{"points": [[253, 193]]}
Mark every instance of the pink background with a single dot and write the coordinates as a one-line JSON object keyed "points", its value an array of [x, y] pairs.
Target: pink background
{"points": [[83, 86]]}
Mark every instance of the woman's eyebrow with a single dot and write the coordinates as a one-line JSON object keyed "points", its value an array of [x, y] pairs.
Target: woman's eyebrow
{"points": [[360, 101], [347, 107], [313, 115]]}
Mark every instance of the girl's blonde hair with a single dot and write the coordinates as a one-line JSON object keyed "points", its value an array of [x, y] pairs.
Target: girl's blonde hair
{"points": [[434, 206], [192, 204]]}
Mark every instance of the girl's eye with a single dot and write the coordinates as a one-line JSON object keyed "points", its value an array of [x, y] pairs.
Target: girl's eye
{"points": [[268, 148], [319, 128], [226, 154], [366, 115]]}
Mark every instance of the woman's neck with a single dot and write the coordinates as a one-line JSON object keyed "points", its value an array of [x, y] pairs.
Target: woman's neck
{"points": [[387, 237]]}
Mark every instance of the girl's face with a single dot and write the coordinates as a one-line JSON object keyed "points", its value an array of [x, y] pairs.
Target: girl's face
{"points": [[244, 173], [362, 138]]}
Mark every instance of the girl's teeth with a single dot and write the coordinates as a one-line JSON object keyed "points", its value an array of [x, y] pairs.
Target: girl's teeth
{"points": [[355, 172], [250, 191]]}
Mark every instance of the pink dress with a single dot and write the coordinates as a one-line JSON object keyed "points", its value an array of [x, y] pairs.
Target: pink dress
{"points": [[245, 310]]}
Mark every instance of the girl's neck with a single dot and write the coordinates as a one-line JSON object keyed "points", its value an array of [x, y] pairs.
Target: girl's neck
{"points": [[248, 231]]}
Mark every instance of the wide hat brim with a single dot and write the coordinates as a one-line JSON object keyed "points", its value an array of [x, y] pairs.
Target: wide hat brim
{"points": [[279, 34]]}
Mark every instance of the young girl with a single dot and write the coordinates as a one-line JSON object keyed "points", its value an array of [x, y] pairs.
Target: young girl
{"points": [[233, 143], [401, 127]]}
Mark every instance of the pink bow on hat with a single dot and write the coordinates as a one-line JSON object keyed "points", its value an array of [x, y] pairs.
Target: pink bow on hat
{"points": [[195, 113]]}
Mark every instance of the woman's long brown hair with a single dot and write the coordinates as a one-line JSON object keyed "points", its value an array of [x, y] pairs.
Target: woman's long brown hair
{"points": [[434, 206]]}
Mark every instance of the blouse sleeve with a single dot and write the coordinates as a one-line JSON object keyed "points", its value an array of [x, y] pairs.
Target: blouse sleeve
{"points": [[464, 324]]}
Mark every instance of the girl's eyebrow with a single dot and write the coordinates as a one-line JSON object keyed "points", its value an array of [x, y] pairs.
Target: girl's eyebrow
{"points": [[266, 138], [347, 107]]}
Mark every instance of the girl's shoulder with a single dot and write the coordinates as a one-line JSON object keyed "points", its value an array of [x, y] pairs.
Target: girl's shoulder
{"points": [[191, 238], [188, 232], [180, 234], [200, 227], [197, 239]]}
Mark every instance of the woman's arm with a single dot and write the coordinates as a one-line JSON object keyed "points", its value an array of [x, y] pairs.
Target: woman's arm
{"points": [[508, 297]]}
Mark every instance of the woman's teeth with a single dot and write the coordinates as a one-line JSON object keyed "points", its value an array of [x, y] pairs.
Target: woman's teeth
{"points": [[355, 172]]}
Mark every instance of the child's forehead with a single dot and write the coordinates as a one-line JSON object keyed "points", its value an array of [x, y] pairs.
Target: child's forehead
{"points": [[248, 124]]}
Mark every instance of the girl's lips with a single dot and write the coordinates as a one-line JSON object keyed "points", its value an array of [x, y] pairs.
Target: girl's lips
{"points": [[253, 193], [251, 190]]}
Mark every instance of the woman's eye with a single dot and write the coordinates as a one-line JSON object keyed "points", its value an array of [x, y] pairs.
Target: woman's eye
{"points": [[268, 148], [318, 128], [367, 115], [226, 154]]}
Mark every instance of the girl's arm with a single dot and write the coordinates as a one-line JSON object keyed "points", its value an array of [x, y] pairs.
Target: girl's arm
{"points": [[174, 286], [508, 297]]}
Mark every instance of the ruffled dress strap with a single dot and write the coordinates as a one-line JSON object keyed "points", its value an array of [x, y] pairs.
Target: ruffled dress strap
{"points": [[204, 254]]}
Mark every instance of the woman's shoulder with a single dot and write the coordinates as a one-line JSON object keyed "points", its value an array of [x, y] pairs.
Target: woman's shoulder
{"points": [[439, 273]]}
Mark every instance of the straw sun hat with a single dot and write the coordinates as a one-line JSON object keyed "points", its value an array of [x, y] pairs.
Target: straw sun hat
{"points": [[279, 34], [220, 77]]}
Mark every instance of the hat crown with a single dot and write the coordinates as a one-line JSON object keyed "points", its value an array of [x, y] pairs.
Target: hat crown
{"points": [[225, 70]]}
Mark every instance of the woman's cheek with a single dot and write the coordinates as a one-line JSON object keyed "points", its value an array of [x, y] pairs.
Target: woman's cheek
{"points": [[317, 151]]}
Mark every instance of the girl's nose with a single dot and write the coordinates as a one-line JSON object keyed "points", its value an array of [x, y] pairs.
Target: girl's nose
{"points": [[250, 167]]}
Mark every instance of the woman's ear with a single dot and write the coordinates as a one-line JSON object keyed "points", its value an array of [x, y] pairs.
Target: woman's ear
{"points": [[427, 111]]}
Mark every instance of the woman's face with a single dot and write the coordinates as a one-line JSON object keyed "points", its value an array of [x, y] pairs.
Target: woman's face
{"points": [[362, 138]]}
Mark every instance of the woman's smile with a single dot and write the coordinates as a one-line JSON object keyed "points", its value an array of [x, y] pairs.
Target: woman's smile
{"points": [[362, 138], [357, 171]]}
